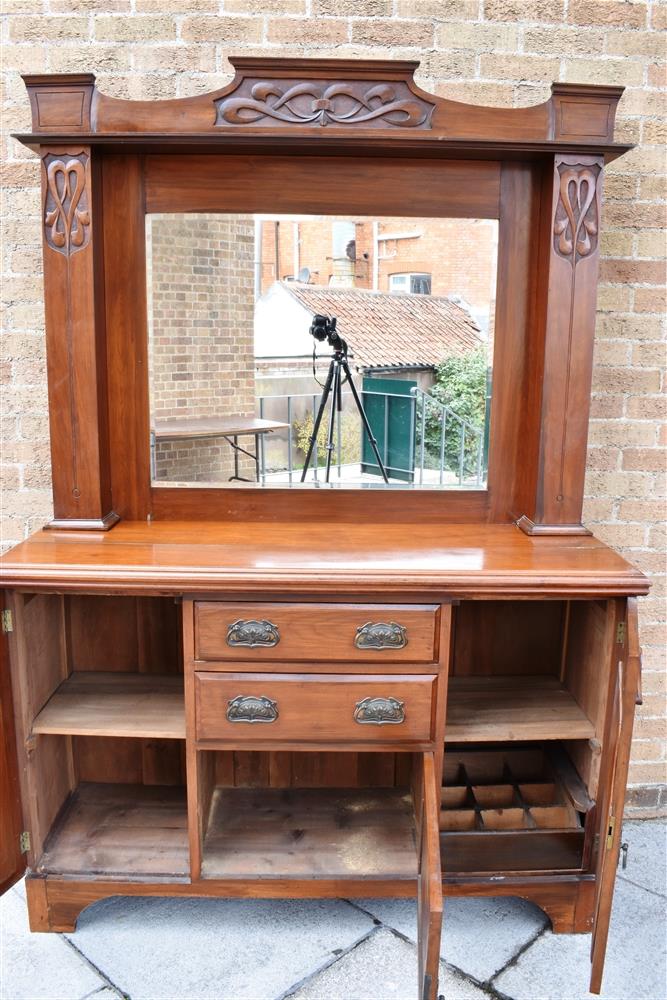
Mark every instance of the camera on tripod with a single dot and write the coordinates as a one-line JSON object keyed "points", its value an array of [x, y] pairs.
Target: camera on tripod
{"points": [[324, 328]]}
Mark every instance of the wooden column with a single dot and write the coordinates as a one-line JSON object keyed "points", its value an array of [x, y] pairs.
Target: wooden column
{"points": [[566, 312], [74, 299], [75, 338]]}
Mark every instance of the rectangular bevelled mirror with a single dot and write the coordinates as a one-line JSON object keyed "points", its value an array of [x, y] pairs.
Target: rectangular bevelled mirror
{"points": [[239, 366]]}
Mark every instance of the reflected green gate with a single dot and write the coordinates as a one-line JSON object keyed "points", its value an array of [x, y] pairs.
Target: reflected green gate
{"points": [[390, 407]]}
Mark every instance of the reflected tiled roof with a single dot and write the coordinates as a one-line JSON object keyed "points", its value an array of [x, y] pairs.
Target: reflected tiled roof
{"points": [[392, 330]]}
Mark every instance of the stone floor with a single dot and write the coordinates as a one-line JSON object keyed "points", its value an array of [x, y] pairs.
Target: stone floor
{"points": [[160, 949]]}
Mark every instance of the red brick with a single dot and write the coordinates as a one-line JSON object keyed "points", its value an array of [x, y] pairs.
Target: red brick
{"points": [[630, 213], [656, 74], [650, 300], [550, 11], [615, 13], [217, 29], [642, 272], [375, 31], [644, 459], [641, 510], [649, 408], [323, 31]]}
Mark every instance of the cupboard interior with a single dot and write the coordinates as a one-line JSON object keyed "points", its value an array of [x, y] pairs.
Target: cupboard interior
{"points": [[323, 814], [513, 808], [101, 704], [102, 707]]}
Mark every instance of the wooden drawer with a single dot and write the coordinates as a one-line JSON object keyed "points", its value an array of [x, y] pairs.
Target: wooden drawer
{"points": [[317, 632], [314, 707]]}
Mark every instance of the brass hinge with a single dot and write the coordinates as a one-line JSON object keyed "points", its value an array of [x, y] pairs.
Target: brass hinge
{"points": [[7, 621], [24, 842], [610, 832], [620, 633]]}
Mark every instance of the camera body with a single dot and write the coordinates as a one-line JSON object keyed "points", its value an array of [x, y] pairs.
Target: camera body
{"points": [[324, 328]]}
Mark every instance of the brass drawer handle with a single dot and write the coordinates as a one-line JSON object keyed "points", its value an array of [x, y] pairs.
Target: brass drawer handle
{"points": [[381, 635], [252, 633], [252, 708], [379, 712]]}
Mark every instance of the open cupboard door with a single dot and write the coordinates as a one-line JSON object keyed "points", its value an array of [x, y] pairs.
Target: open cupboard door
{"points": [[429, 892], [12, 861], [625, 688]]}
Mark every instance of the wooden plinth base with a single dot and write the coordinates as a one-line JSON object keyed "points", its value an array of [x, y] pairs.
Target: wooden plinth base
{"points": [[54, 904], [568, 901], [530, 527], [83, 524]]}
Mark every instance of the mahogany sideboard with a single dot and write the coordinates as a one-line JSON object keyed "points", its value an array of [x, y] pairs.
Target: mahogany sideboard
{"points": [[269, 692]]}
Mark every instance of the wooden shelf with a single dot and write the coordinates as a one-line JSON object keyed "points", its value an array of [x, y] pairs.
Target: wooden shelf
{"points": [[490, 709], [309, 833], [128, 830], [115, 704]]}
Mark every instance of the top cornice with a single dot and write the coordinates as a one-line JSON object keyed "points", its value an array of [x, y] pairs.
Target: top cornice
{"points": [[298, 101]]}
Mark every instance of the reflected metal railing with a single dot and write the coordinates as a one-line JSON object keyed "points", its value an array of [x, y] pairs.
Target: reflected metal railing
{"points": [[470, 446], [430, 424]]}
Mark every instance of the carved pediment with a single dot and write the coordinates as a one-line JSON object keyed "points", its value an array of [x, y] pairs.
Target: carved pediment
{"points": [[327, 102], [341, 100]]}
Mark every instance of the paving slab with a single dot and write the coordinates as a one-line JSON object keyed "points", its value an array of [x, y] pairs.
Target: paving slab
{"points": [[227, 949], [20, 888], [479, 936], [106, 993], [647, 855], [557, 966], [382, 967], [38, 966]]}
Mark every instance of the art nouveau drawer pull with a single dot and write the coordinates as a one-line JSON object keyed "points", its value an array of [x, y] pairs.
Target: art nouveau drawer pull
{"points": [[252, 708], [381, 635], [379, 712], [253, 633]]}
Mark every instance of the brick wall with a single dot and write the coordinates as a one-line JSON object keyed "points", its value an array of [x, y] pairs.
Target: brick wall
{"points": [[487, 51], [201, 304], [459, 254]]}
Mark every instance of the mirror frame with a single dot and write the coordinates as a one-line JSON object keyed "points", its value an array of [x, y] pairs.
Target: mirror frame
{"points": [[252, 147]]}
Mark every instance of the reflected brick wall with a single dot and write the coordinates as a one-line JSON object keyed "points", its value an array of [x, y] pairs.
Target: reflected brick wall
{"points": [[201, 335]]}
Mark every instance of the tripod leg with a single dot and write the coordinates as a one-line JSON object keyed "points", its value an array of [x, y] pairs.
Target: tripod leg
{"points": [[318, 420], [364, 418], [335, 392]]}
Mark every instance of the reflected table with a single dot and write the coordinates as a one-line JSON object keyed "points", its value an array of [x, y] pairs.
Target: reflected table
{"points": [[229, 428]]}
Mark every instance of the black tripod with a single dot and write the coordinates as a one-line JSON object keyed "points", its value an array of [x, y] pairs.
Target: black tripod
{"points": [[324, 328]]}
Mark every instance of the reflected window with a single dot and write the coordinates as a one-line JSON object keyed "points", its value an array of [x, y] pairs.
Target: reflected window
{"points": [[236, 378], [413, 284]]}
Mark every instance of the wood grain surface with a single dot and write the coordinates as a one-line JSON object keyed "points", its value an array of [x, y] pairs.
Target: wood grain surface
{"points": [[314, 707], [292, 557], [308, 833], [116, 704], [316, 632]]}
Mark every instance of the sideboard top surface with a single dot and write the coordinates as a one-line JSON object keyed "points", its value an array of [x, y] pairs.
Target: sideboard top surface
{"points": [[457, 560]]}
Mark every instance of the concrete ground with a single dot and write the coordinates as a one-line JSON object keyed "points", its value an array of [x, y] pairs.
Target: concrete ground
{"points": [[162, 949]]}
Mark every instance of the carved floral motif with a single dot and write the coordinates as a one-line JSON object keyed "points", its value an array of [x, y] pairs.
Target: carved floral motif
{"points": [[66, 213], [576, 220], [310, 103]]}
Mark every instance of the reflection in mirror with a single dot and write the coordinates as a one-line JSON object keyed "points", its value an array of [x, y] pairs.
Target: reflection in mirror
{"points": [[236, 378]]}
